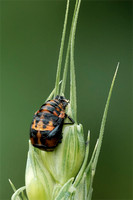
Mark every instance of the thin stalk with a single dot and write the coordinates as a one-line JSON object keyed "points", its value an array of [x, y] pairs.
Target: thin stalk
{"points": [[61, 51], [73, 101], [67, 55], [12, 185], [104, 121], [94, 159], [65, 71]]}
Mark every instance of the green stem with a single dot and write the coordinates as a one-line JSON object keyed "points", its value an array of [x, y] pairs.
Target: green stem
{"points": [[65, 72], [73, 101], [95, 156], [13, 187], [61, 51], [67, 55], [104, 121], [92, 157]]}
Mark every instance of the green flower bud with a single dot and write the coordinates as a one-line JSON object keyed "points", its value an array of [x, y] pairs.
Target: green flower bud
{"points": [[39, 183], [65, 161]]}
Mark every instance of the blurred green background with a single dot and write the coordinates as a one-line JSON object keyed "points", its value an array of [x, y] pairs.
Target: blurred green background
{"points": [[31, 33]]}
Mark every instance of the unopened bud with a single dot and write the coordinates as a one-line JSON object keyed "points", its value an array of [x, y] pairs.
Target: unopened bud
{"points": [[39, 183], [65, 161]]}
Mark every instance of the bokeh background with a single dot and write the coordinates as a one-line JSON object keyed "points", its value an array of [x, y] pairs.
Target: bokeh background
{"points": [[31, 33]]}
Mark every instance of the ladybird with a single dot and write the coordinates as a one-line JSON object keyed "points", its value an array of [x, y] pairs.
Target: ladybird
{"points": [[47, 124]]}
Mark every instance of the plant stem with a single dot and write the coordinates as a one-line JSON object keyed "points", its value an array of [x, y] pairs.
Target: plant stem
{"points": [[95, 156], [73, 101], [104, 120], [67, 55], [61, 52]]}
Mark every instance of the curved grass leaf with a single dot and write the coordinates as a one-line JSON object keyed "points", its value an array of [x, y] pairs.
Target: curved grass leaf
{"points": [[15, 196]]}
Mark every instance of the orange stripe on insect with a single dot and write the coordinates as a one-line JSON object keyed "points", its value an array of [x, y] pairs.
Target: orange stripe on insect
{"points": [[57, 109], [39, 137], [60, 105], [33, 125], [55, 113], [62, 114], [45, 110]]}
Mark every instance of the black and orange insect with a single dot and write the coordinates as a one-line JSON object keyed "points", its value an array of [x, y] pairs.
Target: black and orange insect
{"points": [[47, 124]]}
